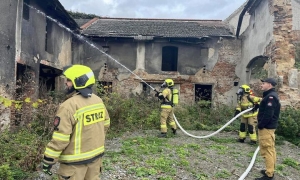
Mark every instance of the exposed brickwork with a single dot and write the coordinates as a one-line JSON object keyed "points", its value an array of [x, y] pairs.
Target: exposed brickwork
{"points": [[224, 74], [283, 50]]}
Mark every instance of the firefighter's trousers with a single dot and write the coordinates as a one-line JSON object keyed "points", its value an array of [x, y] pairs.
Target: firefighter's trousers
{"points": [[267, 149], [166, 116], [248, 124], [89, 171]]}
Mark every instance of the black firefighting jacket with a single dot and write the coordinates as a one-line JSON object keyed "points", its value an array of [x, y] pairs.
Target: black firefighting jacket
{"points": [[269, 110]]}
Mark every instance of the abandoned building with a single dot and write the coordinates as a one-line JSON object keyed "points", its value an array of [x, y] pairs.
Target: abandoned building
{"points": [[207, 59], [199, 55], [34, 48]]}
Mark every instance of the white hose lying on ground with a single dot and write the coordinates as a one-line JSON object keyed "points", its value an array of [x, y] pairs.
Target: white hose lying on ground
{"points": [[201, 137], [250, 165], [229, 122]]}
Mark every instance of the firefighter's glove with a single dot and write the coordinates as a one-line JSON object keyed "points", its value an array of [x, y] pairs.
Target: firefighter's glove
{"points": [[156, 94], [255, 108], [236, 112], [47, 168]]}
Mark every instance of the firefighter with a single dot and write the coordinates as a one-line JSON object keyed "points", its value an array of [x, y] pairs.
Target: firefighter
{"points": [[167, 104], [248, 120], [269, 111], [80, 127]]}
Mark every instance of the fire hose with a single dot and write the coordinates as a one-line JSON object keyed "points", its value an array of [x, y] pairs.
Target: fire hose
{"points": [[212, 134]]}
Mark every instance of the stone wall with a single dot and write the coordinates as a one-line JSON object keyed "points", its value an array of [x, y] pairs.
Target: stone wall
{"points": [[283, 49], [283, 52]]}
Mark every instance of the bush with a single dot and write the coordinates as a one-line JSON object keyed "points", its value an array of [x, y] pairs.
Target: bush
{"points": [[136, 112], [20, 152], [289, 124], [21, 149], [22, 146], [5, 172], [201, 117]]}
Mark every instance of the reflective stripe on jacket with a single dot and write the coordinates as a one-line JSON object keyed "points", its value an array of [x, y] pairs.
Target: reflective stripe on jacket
{"points": [[166, 104], [244, 104], [80, 134]]}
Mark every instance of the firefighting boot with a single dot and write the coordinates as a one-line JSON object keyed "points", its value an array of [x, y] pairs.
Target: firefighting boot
{"points": [[174, 131], [264, 177], [263, 172], [162, 135], [252, 142], [241, 140]]}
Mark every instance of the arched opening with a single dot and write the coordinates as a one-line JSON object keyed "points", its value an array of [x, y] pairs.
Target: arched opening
{"points": [[255, 68]]}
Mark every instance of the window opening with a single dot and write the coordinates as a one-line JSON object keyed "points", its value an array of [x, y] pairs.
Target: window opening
{"points": [[203, 93], [169, 58]]}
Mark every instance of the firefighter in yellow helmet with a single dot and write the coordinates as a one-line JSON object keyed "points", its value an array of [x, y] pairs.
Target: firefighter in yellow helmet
{"points": [[248, 120], [80, 127], [166, 106]]}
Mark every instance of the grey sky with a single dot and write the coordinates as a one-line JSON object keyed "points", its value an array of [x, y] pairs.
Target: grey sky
{"points": [[177, 9]]}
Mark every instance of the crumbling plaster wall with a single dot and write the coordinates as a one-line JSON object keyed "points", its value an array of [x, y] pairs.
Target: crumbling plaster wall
{"points": [[255, 39], [190, 57], [270, 33], [34, 42], [215, 66], [33, 46], [8, 18]]}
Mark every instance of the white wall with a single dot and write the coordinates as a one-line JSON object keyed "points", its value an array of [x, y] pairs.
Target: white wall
{"points": [[256, 38]]}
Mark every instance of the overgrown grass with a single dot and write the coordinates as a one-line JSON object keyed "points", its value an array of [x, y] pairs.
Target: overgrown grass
{"points": [[21, 149]]}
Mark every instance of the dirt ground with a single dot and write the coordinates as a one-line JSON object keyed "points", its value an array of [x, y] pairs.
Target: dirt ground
{"points": [[216, 158], [235, 158]]}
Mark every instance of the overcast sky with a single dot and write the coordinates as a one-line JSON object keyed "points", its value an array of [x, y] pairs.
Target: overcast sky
{"points": [[176, 9]]}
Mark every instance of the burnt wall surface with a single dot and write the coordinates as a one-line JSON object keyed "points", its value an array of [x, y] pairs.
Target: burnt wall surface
{"points": [[45, 44], [8, 17], [44, 39]]}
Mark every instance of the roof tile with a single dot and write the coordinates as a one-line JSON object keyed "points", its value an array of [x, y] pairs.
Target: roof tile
{"points": [[170, 28]]}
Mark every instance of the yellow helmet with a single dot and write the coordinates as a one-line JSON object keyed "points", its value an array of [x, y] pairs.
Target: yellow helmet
{"points": [[168, 83], [245, 88], [80, 75]]}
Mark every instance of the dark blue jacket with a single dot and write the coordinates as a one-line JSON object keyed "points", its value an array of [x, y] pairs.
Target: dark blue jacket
{"points": [[269, 110]]}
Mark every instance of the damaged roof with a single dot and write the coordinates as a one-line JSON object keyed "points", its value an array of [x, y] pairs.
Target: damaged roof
{"points": [[82, 22], [55, 9], [167, 28]]}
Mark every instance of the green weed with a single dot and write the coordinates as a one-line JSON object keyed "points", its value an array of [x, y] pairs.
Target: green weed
{"points": [[223, 174], [291, 162]]}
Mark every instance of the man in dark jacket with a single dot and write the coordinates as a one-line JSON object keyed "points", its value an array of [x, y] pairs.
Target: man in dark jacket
{"points": [[267, 117]]}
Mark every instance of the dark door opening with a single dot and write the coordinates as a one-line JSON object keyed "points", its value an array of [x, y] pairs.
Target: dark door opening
{"points": [[25, 75], [203, 92], [47, 77], [169, 58]]}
